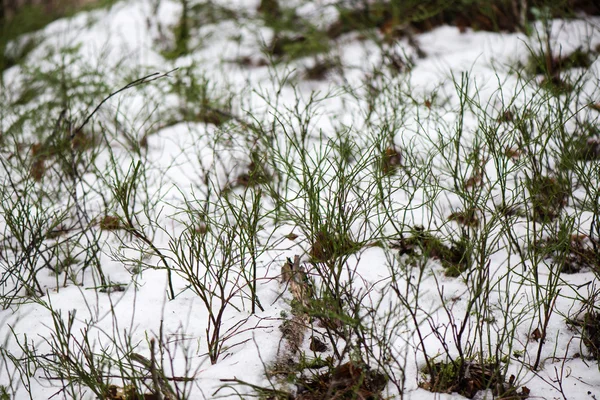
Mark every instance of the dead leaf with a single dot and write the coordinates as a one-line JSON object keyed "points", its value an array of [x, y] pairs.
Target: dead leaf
{"points": [[513, 153], [595, 106], [291, 236], [317, 345], [110, 223]]}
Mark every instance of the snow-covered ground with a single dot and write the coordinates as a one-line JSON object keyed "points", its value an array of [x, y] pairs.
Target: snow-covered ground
{"points": [[448, 99]]}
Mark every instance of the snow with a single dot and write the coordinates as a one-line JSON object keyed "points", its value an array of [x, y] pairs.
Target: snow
{"points": [[126, 37]]}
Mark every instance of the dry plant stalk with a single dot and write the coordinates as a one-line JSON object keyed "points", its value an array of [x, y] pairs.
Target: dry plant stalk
{"points": [[295, 278]]}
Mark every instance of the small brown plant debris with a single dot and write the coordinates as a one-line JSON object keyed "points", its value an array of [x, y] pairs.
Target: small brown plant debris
{"points": [[38, 166], [256, 174], [512, 393], [82, 141], [58, 231], [349, 380], [294, 275], [397, 63], [127, 392], [243, 179], [317, 345], [201, 228], [319, 70], [291, 236], [110, 223], [144, 142], [293, 329], [37, 149], [474, 181], [469, 377], [466, 218], [121, 393], [287, 271], [296, 279], [536, 335], [391, 28], [211, 116], [247, 61], [323, 247], [506, 116], [113, 288], [38, 169], [391, 160], [508, 210], [595, 106], [513, 153]]}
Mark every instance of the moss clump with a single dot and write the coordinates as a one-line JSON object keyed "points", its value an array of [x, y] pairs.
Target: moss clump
{"points": [[455, 258]]}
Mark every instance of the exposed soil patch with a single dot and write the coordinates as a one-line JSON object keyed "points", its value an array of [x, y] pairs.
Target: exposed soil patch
{"points": [[469, 377], [347, 381], [393, 18], [455, 258]]}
